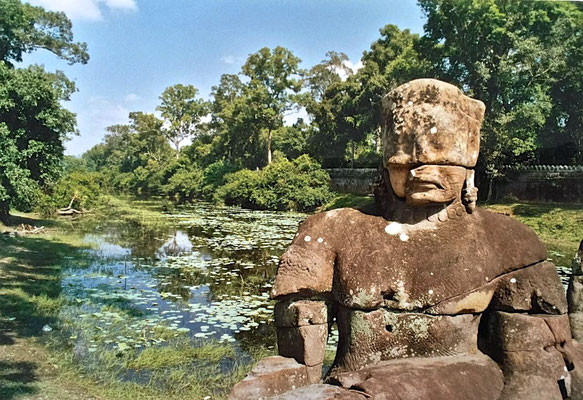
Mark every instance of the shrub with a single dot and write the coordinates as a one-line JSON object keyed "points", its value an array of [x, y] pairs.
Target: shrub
{"points": [[368, 159], [214, 177], [299, 185], [184, 185], [80, 189]]}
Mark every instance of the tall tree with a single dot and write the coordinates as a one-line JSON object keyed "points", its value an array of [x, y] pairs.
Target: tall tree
{"points": [[25, 28], [32, 130], [33, 122], [509, 54], [325, 83], [133, 156], [332, 70], [346, 107], [182, 112], [274, 83]]}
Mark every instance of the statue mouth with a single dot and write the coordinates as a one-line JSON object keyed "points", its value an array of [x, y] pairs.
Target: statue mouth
{"points": [[424, 185]]}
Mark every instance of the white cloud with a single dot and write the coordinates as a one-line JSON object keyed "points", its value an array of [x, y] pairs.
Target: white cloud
{"points": [[90, 10], [354, 67], [292, 117], [132, 98], [105, 112], [121, 4], [350, 66], [232, 60], [228, 59]]}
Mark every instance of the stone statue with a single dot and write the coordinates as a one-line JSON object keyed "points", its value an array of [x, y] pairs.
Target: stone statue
{"points": [[433, 297], [575, 295]]}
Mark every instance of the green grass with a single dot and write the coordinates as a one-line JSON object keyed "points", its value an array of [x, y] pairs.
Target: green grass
{"points": [[181, 352], [341, 200], [560, 227]]}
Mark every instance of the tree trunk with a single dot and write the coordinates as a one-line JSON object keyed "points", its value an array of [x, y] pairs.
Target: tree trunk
{"points": [[378, 140], [177, 145], [490, 184], [269, 147], [352, 155], [4, 212]]}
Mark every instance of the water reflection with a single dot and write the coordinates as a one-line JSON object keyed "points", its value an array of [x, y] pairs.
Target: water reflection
{"points": [[204, 271], [178, 244]]}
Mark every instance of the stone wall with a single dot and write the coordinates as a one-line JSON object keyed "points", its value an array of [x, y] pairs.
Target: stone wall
{"points": [[548, 183], [348, 180]]}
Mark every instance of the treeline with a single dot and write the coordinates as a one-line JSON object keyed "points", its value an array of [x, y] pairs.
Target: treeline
{"points": [[523, 59]]}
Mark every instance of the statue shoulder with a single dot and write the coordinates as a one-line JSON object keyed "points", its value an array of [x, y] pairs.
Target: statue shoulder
{"points": [[519, 243], [307, 265]]}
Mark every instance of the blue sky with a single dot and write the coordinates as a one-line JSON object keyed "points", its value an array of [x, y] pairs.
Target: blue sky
{"points": [[140, 47]]}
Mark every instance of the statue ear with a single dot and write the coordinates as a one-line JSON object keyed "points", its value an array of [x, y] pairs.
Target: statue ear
{"points": [[470, 192]]}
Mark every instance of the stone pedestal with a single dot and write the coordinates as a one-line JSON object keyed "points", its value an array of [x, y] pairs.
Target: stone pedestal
{"points": [[271, 377]]}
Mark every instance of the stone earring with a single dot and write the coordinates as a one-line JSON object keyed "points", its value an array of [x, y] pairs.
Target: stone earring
{"points": [[470, 192]]}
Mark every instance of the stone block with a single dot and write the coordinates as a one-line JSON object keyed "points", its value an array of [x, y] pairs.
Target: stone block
{"points": [[474, 377], [575, 294], [532, 387], [379, 335], [473, 302], [576, 320], [517, 332], [577, 372], [537, 289], [321, 392], [270, 377], [292, 313], [436, 114], [306, 344], [314, 373], [535, 353]]}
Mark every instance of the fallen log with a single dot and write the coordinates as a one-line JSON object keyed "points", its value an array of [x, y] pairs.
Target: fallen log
{"points": [[69, 211]]}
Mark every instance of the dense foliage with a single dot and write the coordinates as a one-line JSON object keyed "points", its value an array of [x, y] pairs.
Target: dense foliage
{"points": [[78, 189], [299, 185], [33, 128], [33, 122], [522, 58]]}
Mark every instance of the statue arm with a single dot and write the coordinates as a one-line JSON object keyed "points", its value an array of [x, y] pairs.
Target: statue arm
{"points": [[303, 288], [526, 330]]}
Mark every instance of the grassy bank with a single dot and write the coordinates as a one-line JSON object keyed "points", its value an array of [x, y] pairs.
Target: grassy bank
{"points": [[47, 351], [559, 226], [341, 200]]}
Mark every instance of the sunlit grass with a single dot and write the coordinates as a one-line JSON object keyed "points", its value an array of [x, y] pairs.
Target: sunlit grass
{"points": [[341, 200], [181, 352], [559, 226]]}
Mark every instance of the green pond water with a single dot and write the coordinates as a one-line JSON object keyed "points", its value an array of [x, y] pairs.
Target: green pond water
{"points": [[201, 271]]}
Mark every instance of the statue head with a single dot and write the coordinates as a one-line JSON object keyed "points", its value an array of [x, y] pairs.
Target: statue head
{"points": [[431, 138]]}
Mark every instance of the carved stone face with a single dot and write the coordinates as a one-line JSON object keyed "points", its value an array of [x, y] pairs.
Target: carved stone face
{"points": [[427, 184], [431, 137]]}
